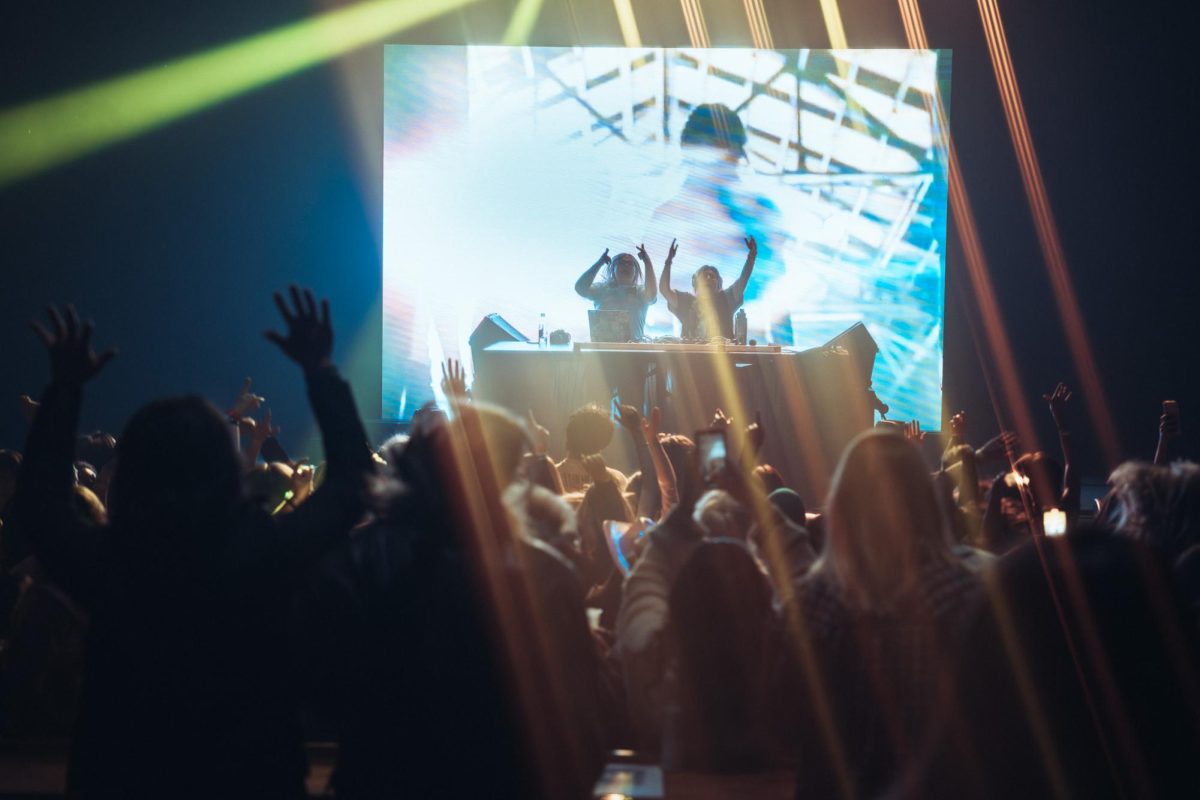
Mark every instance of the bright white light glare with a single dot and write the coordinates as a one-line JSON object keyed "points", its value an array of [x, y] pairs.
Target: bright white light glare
{"points": [[508, 171], [1054, 522]]}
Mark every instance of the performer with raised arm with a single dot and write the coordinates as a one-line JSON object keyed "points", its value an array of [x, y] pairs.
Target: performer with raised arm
{"points": [[709, 312], [623, 288]]}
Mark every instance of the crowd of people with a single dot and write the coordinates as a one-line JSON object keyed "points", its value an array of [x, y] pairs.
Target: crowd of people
{"points": [[464, 614]]}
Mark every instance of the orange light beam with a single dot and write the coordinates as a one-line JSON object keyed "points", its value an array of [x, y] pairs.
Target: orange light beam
{"points": [[978, 270], [693, 17], [1047, 230]]}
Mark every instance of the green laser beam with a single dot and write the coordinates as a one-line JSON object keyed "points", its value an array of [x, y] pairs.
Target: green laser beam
{"points": [[520, 25], [46, 133]]}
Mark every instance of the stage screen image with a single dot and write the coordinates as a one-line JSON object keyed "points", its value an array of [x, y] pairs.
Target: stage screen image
{"points": [[509, 170]]}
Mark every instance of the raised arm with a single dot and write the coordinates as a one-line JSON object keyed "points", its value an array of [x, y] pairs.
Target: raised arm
{"points": [[42, 517], [326, 517], [1057, 401], [650, 286], [1168, 431], [738, 287], [668, 486], [664, 283], [648, 497], [583, 286]]}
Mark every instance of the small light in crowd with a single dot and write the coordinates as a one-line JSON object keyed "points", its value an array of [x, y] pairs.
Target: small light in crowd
{"points": [[1054, 522]]}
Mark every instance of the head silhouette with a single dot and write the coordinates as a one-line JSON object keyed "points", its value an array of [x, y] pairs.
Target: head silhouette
{"points": [[589, 430], [623, 270], [715, 126], [884, 520], [177, 470]]}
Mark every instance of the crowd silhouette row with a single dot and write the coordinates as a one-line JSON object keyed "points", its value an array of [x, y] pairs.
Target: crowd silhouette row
{"points": [[466, 615]]}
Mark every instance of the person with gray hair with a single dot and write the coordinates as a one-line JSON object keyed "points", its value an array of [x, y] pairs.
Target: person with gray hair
{"points": [[1158, 505]]}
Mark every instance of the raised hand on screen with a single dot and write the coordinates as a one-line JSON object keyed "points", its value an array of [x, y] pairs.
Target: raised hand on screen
{"points": [[69, 344], [309, 337], [454, 380], [720, 419]]}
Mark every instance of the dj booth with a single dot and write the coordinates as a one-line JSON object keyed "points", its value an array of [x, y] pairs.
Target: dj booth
{"points": [[811, 402]]}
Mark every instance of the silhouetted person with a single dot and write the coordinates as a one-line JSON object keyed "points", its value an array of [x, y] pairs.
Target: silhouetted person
{"points": [[878, 620], [1078, 680], [723, 634], [187, 691], [454, 651]]}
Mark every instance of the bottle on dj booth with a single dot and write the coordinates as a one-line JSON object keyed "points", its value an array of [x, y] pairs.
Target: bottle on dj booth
{"points": [[739, 326], [542, 329]]}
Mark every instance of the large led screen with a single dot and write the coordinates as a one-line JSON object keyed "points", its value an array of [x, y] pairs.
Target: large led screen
{"points": [[509, 170]]}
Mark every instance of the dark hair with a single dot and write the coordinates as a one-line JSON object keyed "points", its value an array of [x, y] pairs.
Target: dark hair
{"points": [[177, 471], [721, 618], [1045, 479], [589, 430], [885, 520], [788, 503], [602, 501], [715, 125]]}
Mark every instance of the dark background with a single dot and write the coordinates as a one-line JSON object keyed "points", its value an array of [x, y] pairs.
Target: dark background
{"points": [[172, 241]]}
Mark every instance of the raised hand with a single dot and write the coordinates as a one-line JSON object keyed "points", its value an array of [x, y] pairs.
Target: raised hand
{"points": [[641, 252], [629, 418], [309, 339], [539, 433], [246, 403], [263, 429], [720, 420], [597, 470], [751, 245], [1169, 426], [1169, 429], [69, 343], [999, 445], [454, 380], [913, 432], [756, 435], [1057, 401], [650, 425], [671, 252], [604, 259]]}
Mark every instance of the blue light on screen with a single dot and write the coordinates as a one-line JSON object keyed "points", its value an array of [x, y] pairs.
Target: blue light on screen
{"points": [[509, 170]]}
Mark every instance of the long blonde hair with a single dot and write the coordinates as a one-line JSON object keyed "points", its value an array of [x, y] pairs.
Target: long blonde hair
{"points": [[884, 522]]}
